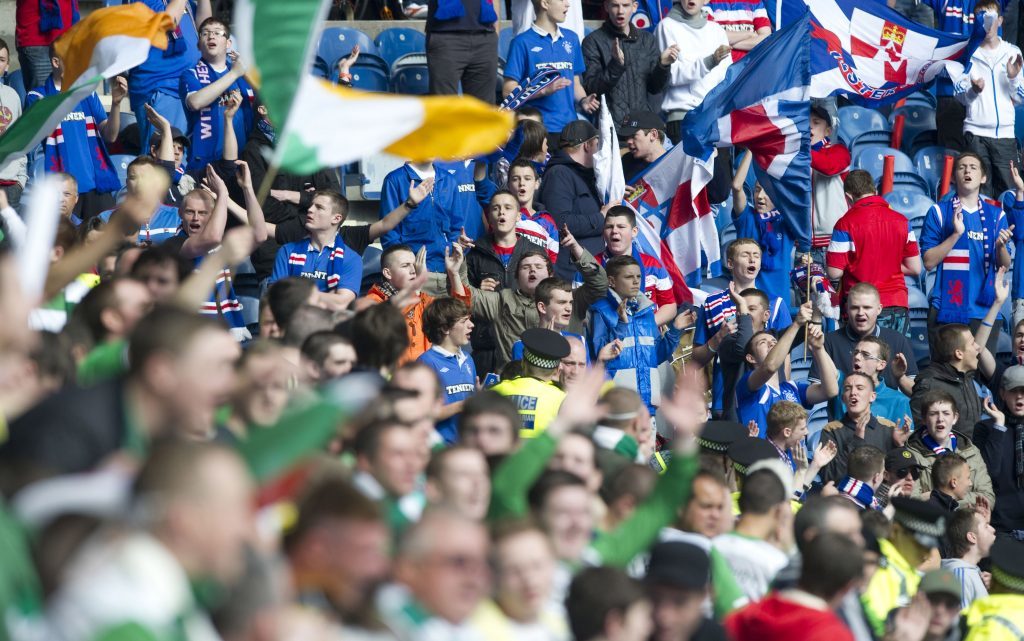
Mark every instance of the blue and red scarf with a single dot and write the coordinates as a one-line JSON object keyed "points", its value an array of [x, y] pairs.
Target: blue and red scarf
{"points": [[934, 446], [452, 9], [528, 89], [859, 491], [50, 18], [718, 308]]}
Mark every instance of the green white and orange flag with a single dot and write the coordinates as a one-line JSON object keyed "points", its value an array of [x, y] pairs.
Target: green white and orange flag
{"points": [[107, 42], [323, 125]]}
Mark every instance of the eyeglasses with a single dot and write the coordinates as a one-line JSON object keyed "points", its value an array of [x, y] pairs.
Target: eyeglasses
{"points": [[205, 33], [865, 355], [913, 472]]}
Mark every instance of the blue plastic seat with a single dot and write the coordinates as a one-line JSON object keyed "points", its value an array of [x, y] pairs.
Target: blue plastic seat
{"points": [[369, 78], [371, 268], [396, 42], [921, 99], [127, 118], [910, 181], [855, 120], [121, 162], [412, 80], [928, 164], [16, 81], [917, 120], [919, 340], [337, 42], [727, 235], [874, 138], [872, 159], [504, 42]]}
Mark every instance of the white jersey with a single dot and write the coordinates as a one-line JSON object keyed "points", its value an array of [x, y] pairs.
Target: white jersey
{"points": [[753, 562]]}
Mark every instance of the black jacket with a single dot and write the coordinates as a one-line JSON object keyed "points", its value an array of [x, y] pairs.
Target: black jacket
{"points": [[945, 377], [287, 216], [570, 192], [998, 447], [625, 85], [70, 432]]}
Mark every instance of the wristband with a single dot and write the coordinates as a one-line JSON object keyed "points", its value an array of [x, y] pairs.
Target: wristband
{"points": [[345, 76], [989, 325], [409, 203], [711, 349]]}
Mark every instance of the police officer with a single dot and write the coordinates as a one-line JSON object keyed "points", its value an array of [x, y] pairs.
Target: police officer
{"points": [[916, 529], [1000, 615], [714, 441], [535, 393], [744, 453]]}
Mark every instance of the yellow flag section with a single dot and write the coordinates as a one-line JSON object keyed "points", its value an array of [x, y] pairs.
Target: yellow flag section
{"points": [[110, 41], [329, 126]]}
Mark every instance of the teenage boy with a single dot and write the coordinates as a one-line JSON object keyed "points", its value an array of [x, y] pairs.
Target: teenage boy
{"points": [[829, 163], [75, 148], [964, 238], [865, 470], [447, 325], [871, 356], [538, 227], [545, 46], [620, 231], [764, 223], [951, 482], [991, 91], [763, 386], [553, 300], [858, 426], [969, 537], [787, 429], [704, 56], [323, 257], [203, 89], [937, 438], [626, 316]]}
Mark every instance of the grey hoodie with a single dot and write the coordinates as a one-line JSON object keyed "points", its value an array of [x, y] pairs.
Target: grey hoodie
{"points": [[971, 585]]}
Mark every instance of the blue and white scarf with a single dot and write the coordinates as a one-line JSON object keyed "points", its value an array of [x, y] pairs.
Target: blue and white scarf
{"points": [[859, 491], [934, 446], [528, 89]]}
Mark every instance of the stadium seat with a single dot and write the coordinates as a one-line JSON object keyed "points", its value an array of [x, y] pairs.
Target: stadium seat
{"points": [[127, 118], [371, 268], [504, 41], [396, 42], [409, 60], [369, 78], [727, 235], [413, 80], [854, 120], [337, 42], [911, 204], [250, 312], [799, 367], [1004, 348], [245, 280], [716, 284], [16, 81], [38, 166], [874, 138], [816, 421], [872, 159], [917, 119], [928, 163], [374, 168], [921, 99], [910, 181], [917, 302], [921, 140], [121, 162]]}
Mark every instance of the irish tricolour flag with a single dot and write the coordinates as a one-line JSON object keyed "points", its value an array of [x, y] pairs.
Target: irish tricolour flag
{"points": [[106, 43], [324, 125]]}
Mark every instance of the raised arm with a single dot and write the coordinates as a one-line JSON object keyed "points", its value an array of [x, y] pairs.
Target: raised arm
{"points": [[205, 96], [236, 246], [234, 101], [739, 196], [253, 210], [986, 361], [112, 125], [933, 228], [165, 151], [213, 232], [779, 354], [417, 194], [828, 387]]}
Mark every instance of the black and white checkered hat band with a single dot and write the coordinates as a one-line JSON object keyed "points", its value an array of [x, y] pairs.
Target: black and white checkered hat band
{"points": [[539, 361], [711, 445], [1015, 583], [927, 528], [740, 469]]}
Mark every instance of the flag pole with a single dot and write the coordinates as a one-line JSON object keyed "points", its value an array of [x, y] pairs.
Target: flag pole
{"points": [[268, 179], [807, 326]]}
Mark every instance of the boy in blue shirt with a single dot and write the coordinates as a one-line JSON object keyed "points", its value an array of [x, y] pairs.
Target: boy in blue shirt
{"points": [[447, 324], [203, 89], [544, 46], [964, 239], [155, 82], [323, 257], [625, 320], [164, 222], [762, 387], [761, 221]]}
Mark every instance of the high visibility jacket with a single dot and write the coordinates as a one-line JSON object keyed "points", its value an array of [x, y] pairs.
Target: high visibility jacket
{"points": [[537, 401], [892, 586], [996, 617]]}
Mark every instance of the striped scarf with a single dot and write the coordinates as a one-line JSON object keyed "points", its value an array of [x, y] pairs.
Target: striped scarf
{"points": [[934, 446], [859, 491], [528, 89], [718, 308]]}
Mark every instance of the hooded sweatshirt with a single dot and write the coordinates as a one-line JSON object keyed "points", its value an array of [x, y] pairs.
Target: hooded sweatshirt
{"points": [[969, 575], [694, 73], [785, 616]]}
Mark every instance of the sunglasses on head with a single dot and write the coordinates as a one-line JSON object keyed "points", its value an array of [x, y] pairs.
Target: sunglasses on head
{"points": [[913, 472]]}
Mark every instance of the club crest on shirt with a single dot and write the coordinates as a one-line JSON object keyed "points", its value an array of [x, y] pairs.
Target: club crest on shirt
{"points": [[567, 45], [788, 395]]}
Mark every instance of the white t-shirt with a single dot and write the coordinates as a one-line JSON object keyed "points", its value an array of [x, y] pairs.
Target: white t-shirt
{"points": [[753, 562]]}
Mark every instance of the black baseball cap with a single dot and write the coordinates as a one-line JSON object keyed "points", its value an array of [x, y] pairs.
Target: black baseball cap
{"points": [[900, 458], [679, 564], [640, 120], [576, 133]]}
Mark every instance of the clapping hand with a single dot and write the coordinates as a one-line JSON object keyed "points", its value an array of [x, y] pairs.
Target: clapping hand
{"points": [[453, 258], [346, 63], [670, 55], [901, 434], [993, 411]]}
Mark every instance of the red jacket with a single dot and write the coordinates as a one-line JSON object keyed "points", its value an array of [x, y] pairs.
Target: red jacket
{"points": [[776, 619], [869, 243]]}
